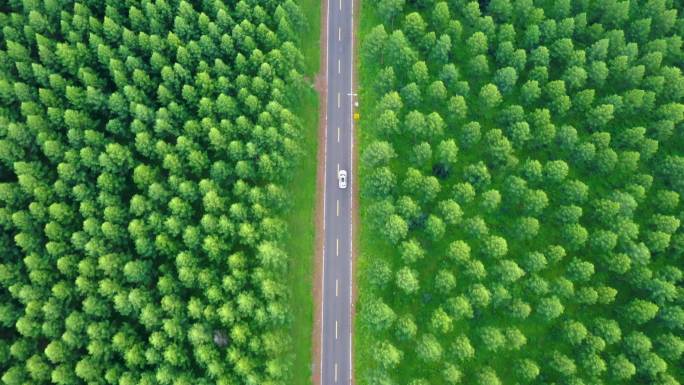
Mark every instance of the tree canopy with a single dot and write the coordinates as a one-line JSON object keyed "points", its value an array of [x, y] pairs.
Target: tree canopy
{"points": [[144, 150], [532, 221]]}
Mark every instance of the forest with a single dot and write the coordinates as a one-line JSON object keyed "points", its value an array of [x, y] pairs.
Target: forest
{"points": [[145, 150], [521, 192]]}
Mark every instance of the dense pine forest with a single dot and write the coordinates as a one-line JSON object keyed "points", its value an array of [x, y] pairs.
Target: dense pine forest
{"points": [[522, 181], [145, 147]]}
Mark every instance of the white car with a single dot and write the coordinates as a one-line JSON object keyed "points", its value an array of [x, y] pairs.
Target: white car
{"points": [[342, 178]]}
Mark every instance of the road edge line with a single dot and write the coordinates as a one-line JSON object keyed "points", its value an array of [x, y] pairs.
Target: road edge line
{"points": [[351, 201]]}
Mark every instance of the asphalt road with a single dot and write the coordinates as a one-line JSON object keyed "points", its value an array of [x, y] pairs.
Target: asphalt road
{"points": [[336, 339]]}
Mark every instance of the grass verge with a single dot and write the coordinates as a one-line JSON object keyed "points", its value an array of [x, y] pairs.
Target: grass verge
{"points": [[300, 244], [368, 244], [311, 44], [301, 221]]}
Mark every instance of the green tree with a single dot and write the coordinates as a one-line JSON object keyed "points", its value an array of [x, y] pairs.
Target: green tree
{"points": [[441, 15], [477, 228], [380, 182], [450, 211], [505, 79], [413, 95], [457, 107], [387, 123], [411, 251], [429, 349], [451, 374], [479, 66], [530, 92], [515, 339], [444, 281], [422, 154], [477, 44], [378, 315], [640, 311], [501, 9], [600, 116], [437, 92], [406, 328], [389, 9], [434, 227], [440, 322], [492, 338], [380, 273], [670, 346], [398, 51], [490, 97], [574, 235], [470, 134], [373, 45], [574, 332], [550, 308], [477, 175], [459, 251], [509, 271], [495, 247], [479, 296], [526, 370], [414, 26], [487, 376], [406, 280], [378, 154], [387, 355], [386, 80], [462, 349], [562, 364], [621, 368], [579, 270]]}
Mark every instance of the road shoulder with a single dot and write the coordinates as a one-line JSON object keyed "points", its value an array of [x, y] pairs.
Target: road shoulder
{"points": [[322, 88]]}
